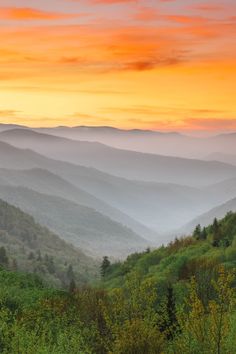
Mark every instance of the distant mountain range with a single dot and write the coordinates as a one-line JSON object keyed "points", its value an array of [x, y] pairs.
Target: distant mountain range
{"points": [[141, 206], [122, 163], [163, 143], [83, 227], [106, 200], [223, 157]]}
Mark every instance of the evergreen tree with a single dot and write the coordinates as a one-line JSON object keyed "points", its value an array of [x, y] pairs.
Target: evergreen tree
{"points": [[105, 266], [197, 232], [204, 234], [216, 233], [169, 323], [3, 257]]}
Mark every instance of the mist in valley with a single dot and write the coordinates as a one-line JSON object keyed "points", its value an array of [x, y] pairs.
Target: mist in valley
{"points": [[113, 192]]}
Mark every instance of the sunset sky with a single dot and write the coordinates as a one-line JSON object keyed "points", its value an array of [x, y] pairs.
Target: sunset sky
{"points": [[149, 64]]}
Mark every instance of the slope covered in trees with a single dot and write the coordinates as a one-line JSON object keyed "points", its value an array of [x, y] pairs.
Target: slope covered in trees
{"points": [[81, 226], [27, 246], [176, 299]]}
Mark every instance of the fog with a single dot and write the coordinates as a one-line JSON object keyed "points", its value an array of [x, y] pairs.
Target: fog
{"points": [[85, 185]]}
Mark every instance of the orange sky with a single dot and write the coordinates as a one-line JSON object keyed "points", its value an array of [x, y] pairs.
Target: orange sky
{"points": [[165, 65]]}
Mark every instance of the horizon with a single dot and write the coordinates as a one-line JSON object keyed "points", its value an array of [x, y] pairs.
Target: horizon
{"points": [[196, 133], [131, 64]]}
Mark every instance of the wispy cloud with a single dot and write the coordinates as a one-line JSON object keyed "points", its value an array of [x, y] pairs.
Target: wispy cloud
{"points": [[28, 13], [6, 113]]}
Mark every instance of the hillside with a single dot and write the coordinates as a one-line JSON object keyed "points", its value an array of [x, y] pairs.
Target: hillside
{"points": [[138, 205], [183, 257], [122, 163], [207, 218], [155, 302], [85, 228], [33, 248], [46, 182], [222, 157], [122, 200]]}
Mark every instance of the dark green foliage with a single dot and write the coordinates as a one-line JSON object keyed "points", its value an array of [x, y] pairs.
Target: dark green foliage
{"points": [[216, 233], [175, 299], [33, 248], [197, 232], [3, 257], [105, 266]]}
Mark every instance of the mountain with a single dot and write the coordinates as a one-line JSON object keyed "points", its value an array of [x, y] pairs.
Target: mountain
{"points": [[123, 163], [149, 203], [134, 308], [83, 227], [33, 248], [222, 157], [148, 141], [224, 190], [207, 218], [162, 206], [4, 127], [46, 182]]}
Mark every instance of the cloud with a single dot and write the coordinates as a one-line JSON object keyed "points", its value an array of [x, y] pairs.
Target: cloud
{"points": [[109, 2], [151, 64], [157, 111], [208, 7], [8, 113], [147, 14], [185, 19], [27, 13]]}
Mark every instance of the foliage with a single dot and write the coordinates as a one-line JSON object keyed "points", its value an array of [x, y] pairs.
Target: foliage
{"points": [[29, 247], [176, 299]]}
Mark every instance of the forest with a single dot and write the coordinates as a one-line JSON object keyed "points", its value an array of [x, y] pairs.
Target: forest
{"points": [[179, 298]]}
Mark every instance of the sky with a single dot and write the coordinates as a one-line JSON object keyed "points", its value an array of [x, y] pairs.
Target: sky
{"points": [[148, 64]]}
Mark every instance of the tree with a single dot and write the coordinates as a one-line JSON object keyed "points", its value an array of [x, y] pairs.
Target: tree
{"points": [[197, 232], [220, 310], [171, 312], [204, 234], [169, 323], [204, 328], [105, 266], [3, 257], [216, 233]]}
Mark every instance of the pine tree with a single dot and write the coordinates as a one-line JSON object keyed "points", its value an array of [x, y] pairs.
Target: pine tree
{"points": [[216, 233], [197, 232], [105, 266], [204, 234], [169, 324], [3, 257]]}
